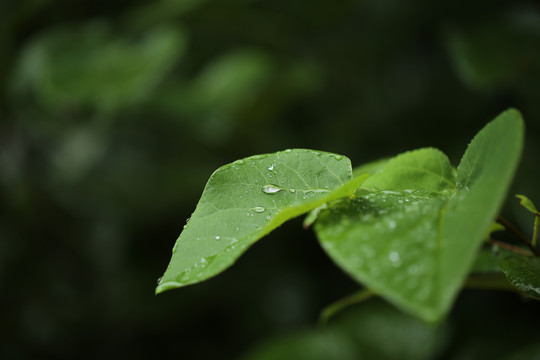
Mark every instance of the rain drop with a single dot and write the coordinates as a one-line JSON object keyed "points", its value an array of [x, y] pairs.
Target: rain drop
{"points": [[271, 189], [258, 209], [271, 167], [292, 190], [218, 237], [395, 258]]}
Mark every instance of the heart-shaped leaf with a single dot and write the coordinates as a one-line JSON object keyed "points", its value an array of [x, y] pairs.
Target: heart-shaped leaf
{"points": [[247, 199]]}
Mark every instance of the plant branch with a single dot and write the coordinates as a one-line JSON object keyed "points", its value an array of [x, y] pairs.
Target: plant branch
{"points": [[535, 231], [509, 247], [331, 310], [518, 233]]}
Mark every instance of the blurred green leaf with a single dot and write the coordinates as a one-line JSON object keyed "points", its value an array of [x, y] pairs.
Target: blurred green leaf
{"points": [[524, 273], [213, 101], [527, 204], [91, 66], [373, 330], [247, 199], [488, 260], [496, 53], [413, 230]]}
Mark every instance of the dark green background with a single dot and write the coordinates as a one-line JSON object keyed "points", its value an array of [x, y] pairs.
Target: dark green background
{"points": [[114, 114]]}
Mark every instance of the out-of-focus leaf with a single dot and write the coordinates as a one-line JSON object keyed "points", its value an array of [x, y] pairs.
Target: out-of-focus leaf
{"points": [[527, 204], [373, 330], [90, 66], [495, 53]]}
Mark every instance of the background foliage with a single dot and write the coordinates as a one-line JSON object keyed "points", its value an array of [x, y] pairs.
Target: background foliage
{"points": [[114, 114]]}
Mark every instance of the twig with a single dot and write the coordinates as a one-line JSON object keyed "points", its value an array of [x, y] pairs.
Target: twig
{"points": [[509, 247], [518, 233], [332, 309]]}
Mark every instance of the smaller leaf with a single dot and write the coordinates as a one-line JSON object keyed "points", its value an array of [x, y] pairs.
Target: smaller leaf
{"points": [[527, 204], [488, 260], [370, 167], [523, 273]]}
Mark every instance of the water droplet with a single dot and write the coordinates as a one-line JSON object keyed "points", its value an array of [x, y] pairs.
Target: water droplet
{"points": [[292, 190], [258, 209], [158, 280], [185, 227], [395, 258], [271, 189], [268, 218], [413, 270], [288, 151], [238, 162], [218, 237], [203, 261], [271, 167], [338, 157]]}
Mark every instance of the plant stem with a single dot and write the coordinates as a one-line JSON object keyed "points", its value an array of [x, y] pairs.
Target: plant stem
{"points": [[509, 247], [331, 310], [519, 234], [535, 231]]}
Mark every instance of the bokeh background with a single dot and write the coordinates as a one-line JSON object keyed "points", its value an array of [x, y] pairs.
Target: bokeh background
{"points": [[113, 114]]}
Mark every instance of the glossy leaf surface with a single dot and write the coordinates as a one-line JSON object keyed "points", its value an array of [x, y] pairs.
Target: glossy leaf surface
{"points": [[524, 273], [413, 230], [247, 199]]}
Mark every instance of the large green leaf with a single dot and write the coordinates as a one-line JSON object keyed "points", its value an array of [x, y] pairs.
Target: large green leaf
{"points": [[247, 199], [412, 232], [523, 272]]}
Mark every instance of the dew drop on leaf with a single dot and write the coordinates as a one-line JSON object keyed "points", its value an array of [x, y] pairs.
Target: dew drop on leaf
{"points": [[271, 167], [258, 209], [395, 258], [271, 189], [217, 237]]}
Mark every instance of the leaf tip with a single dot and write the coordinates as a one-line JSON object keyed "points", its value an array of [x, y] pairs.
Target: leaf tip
{"points": [[527, 204], [166, 286]]}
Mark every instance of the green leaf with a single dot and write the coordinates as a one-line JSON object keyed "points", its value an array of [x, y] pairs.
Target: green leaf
{"points": [[374, 331], [413, 230], [523, 272], [488, 260], [370, 167], [360, 171], [247, 199], [90, 65], [527, 204]]}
